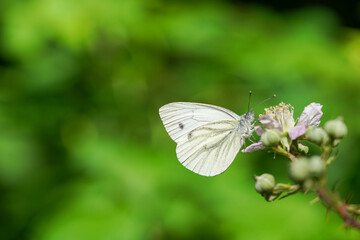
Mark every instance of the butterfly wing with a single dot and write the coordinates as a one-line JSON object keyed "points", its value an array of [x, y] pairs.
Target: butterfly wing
{"points": [[210, 149], [208, 136], [180, 118]]}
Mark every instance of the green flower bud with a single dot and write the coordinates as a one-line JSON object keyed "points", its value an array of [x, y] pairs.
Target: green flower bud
{"points": [[317, 136], [270, 138], [316, 166], [336, 128], [303, 148], [299, 170], [336, 142], [264, 183]]}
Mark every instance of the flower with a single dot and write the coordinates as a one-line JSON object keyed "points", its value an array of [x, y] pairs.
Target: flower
{"points": [[254, 147], [280, 117]]}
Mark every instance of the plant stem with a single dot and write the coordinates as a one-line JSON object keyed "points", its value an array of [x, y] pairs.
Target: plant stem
{"points": [[281, 151], [332, 201]]}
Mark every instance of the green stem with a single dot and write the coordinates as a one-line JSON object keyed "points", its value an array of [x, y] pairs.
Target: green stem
{"points": [[281, 151], [325, 152]]}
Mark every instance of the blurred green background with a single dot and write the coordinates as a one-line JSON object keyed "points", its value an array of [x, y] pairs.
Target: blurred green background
{"points": [[84, 155]]}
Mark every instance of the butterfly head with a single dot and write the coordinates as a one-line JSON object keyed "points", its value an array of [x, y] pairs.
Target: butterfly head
{"points": [[250, 116]]}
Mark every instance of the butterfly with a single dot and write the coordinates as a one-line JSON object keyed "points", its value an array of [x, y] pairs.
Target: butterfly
{"points": [[208, 137]]}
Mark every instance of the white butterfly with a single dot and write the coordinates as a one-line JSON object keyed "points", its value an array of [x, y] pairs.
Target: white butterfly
{"points": [[208, 137]]}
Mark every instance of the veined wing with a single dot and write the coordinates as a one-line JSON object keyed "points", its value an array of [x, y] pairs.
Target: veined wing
{"points": [[180, 118], [210, 149]]}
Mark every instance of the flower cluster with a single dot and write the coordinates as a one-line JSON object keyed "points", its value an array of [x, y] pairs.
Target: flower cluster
{"points": [[281, 134], [279, 126]]}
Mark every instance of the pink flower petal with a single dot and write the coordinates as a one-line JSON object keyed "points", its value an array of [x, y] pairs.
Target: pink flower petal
{"points": [[259, 130], [311, 115], [297, 131], [254, 147], [270, 123]]}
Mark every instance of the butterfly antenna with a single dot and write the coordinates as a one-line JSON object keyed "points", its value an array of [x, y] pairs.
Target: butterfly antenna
{"points": [[250, 92], [264, 101]]}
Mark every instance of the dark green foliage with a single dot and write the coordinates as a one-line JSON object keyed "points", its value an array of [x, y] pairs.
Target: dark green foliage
{"points": [[83, 153]]}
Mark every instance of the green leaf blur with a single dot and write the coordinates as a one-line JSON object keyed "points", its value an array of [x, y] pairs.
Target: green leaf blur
{"points": [[84, 155]]}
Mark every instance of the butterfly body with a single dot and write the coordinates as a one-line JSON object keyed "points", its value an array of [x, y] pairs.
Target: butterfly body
{"points": [[208, 137]]}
